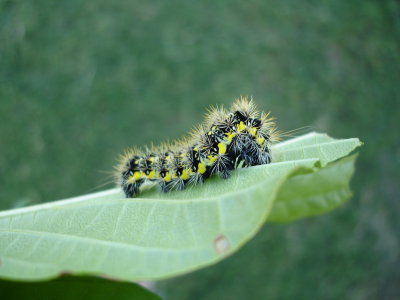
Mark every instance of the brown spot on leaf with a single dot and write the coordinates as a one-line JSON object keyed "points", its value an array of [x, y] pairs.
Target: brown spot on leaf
{"points": [[221, 244], [65, 273]]}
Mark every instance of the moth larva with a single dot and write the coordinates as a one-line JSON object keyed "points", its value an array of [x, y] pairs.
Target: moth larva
{"points": [[240, 137]]}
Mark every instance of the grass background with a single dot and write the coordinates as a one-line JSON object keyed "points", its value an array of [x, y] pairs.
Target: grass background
{"points": [[80, 81]]}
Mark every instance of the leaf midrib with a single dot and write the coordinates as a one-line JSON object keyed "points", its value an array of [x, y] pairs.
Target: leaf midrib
{"points": [[88, 239]]}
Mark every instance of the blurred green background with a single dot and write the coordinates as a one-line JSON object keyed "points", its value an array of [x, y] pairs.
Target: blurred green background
{"points": [[80, 81]]}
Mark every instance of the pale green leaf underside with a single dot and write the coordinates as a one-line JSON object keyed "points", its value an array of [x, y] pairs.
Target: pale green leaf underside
{"points": [[162, 235]]}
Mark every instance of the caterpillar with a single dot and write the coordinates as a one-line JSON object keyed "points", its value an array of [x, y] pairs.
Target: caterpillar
{"points": [[240, 137]]}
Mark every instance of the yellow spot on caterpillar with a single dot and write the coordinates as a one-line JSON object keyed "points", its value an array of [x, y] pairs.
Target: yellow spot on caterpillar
{"points": [[137, 175], [151, 175], [186, 174], [221, 148], [212, 158], [167, 177], [230, 136], [241, 126], [201, 168], [260, 140], [152, 159], [253, 131]]}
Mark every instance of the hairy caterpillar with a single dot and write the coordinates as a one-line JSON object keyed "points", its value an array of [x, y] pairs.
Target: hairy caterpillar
{"points": [[240, 137]]}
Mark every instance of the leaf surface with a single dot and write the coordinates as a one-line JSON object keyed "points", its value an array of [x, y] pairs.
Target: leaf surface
{"points": [[315, 193], [163, 235]]}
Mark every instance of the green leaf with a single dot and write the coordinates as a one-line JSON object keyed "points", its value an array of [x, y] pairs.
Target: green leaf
{"points": [[163, 235], [71, 288], [313, 194], [314, 145]]}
